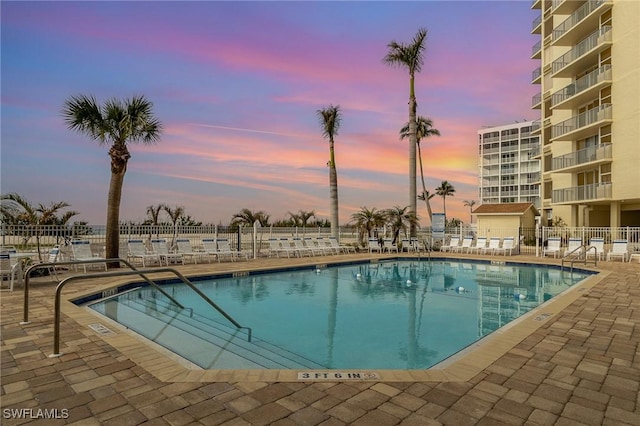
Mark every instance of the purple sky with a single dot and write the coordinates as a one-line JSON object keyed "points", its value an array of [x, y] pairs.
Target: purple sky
{"points": [[237, 86]]}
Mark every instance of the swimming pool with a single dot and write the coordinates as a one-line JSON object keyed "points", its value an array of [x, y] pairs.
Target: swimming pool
{"points": [[401, 314]]}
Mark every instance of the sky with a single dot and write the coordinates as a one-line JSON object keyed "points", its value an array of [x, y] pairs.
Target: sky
{"points": [[237, 86]]}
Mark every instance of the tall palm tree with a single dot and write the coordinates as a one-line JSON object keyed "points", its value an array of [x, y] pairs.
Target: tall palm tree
{"points": [[116, 123], [424, 130], [400, 219], [470, 204], [445, 190], [367, 220], [330, 124], [411, 57], [248, 217]]}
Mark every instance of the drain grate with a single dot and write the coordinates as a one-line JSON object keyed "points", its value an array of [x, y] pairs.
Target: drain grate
{"points": [[101, 329]]}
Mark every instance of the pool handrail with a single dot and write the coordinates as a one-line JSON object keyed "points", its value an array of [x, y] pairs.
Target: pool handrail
{"points": [[27, 273], [56, 325], [582, 251]]}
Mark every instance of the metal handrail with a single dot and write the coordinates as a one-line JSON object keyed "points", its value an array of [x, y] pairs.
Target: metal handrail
{"points": [[583, 251], [56, 330], [27, 273]]}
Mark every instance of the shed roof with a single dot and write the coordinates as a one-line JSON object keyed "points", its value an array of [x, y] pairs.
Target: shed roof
{"points": [[505, 208]]}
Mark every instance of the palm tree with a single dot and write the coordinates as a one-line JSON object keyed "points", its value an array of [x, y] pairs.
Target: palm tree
{"points": [[305, 216], [330, 124], [400, 219], [445, 190], [411, 57], [424, 130], [366, 220], [247, 217], [470, 204], [174, 214], [154, 214], [116, 122]]}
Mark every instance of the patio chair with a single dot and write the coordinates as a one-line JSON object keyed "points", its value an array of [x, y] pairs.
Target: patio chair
{"points": [[553, 247], [598, 245], [466, 243], [619, 249], [326, 246], [341, 247], [311, 245], [481, 244], [374, 245], [276, 248], [162, 249], [138, 251], [508, 245], [210, 248], [11, 271], [494, 243], [300, 247], [81, 250], [224, 249], [389, 246], [454, 242], [184, 248], [572, 246]]}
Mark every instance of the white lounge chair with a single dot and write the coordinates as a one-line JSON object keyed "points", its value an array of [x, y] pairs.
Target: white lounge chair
{"points": [[311, 245], [374, 245], [276, 248], [572, 246], [81, 250], [12, 272], [481, 244], [454, 242], [508, 245], [389, 246], [224, 249], [466, 243], [323, 245], [300, 247], [210, 248], [494, 243], [184, 248], [598, 245], [341, 247], [553, 247], [138, 251], [619, 249], [162, 249]]}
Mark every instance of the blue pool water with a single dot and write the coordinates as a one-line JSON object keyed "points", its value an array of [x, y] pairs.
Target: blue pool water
{"points": [[390, 315]]}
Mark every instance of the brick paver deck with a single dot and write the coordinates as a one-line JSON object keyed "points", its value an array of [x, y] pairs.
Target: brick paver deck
{"points": [[578, 366]]}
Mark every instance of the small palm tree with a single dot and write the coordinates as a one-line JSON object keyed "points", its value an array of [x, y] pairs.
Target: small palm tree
{"points": [[400, 219], [424, 130], [330, 124], [154, 215], [115, 123], [470, 204], [445, 190], [411, 57], [175, 214], [367, 220], [248, 217]]}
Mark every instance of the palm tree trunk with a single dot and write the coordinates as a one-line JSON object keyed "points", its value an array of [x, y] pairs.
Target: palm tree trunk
{"points": [[333, 190], [424, 187], [413, 141], [112, 246]]}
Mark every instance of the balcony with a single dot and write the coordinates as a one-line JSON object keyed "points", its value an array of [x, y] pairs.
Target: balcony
{"points": [[536, 127], [582, 124], [580, 194], [583, 88], [536, 50], [536, 76], [536, 25], [536, 101], [563, 7], [577, 58], [536, 4], [580, 23], [582, 159]]}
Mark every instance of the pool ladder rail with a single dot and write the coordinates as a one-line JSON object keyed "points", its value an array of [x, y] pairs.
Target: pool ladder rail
{"points": [[132, 271], [579, 254]]}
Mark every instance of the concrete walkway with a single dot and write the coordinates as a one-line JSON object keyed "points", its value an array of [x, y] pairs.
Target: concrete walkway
{"points": [[578, 365]]}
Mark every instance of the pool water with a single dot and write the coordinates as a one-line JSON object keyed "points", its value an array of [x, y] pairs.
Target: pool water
{"points": [[387, 315]]}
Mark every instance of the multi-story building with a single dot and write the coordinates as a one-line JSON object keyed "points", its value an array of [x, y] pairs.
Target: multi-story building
{"points": [[589, 104], [509, 166]]}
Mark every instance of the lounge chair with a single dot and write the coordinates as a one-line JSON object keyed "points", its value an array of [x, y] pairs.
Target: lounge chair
{"points": [[466, 243], [81, 250], [323, 245], [210, 248], [598, 245], [224, 249], [11, 271], [138, 251], [572, 246], [508, 245], [494, 243], [311, 245], [454, 242], [184, 248], [619, 249], [389, 246], [374, 245], [553, 247], [481, 244], [276, 248], [162, 249], [300, 247], [340, 247]]}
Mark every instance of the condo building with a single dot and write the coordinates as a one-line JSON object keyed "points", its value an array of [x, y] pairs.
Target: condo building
{"points": [[589, 105], [509, 166]]}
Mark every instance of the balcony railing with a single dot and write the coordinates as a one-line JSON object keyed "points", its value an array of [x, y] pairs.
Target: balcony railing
{"points": [[577, 16], [582, 193], [582, 156], [536, 99], [585, 119], [536, 48], [594, 77], [536, 22], [600, 36], [535, 74]]}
